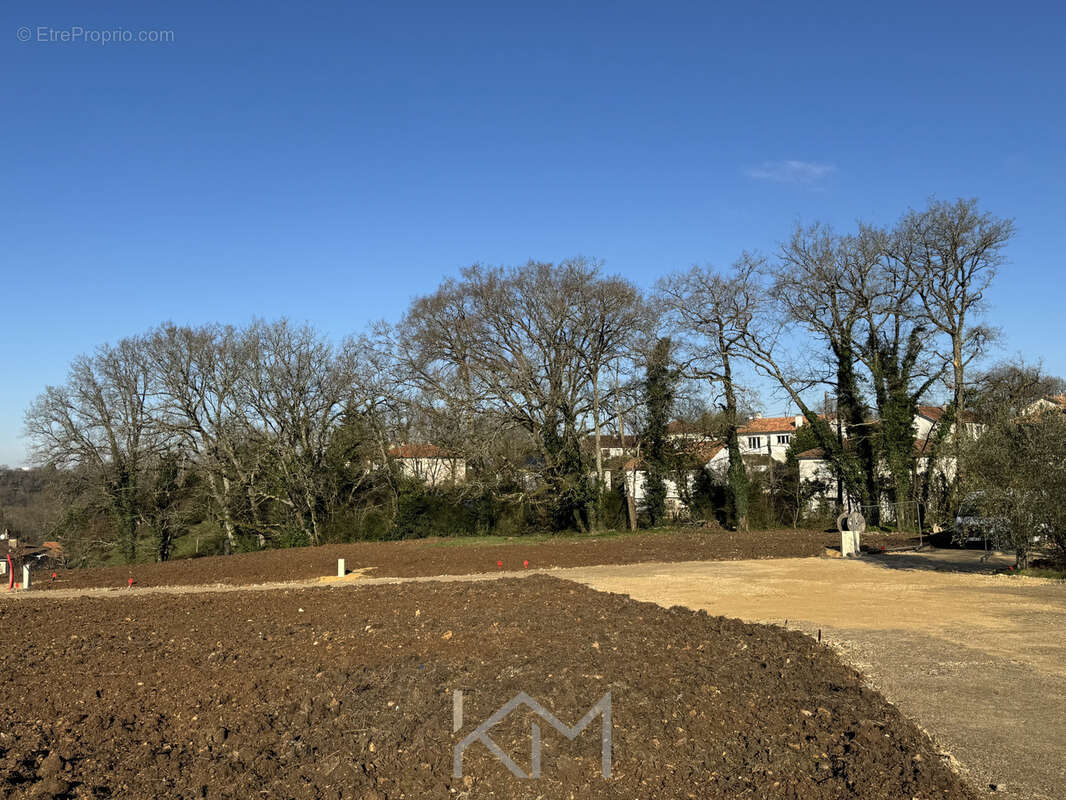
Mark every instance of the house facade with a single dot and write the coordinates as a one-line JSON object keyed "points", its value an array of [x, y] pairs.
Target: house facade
{"points": [[614, 446], [928, 422], [928, 426], [769, 436], [762, 440], [430, 464], [1046, 405], [767, 440]]}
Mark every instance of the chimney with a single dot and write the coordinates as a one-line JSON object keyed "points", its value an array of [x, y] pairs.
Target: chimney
{"points": [[800, 419], [757, 415]]}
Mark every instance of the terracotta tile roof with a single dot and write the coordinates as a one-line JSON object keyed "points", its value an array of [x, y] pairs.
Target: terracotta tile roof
{"points": [[700, 453], [752, 426], [769, 425], [934, 413], [419, 451], [705, 451]]}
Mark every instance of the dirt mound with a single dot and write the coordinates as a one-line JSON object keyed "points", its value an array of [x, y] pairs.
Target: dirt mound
{"points": [[347, 693], [452, 557]]}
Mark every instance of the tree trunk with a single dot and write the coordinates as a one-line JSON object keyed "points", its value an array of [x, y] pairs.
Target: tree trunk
{"points": [[631, 503], [226, 518], [770, 474], [315, 537], [631, 496], [958, 400], [596, 425], [594, 517], [124, 506], [165, 541], [127, 522], [738, 475], [850, 405]]}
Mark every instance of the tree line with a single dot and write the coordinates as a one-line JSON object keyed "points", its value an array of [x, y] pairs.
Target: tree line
{"points": [[274, 433]]}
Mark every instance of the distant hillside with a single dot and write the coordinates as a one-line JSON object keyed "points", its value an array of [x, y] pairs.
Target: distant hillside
{"points": [[27, 502]]}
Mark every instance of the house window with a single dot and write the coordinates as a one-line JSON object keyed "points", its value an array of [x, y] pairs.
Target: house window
{"points": [[754, 442], [784, 438]]}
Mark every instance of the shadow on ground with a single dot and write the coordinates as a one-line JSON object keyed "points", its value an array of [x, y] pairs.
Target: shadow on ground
{"points": [[940, 559]]}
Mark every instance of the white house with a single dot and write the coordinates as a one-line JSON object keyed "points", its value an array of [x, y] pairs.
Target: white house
{"points": [[1046, 404], [769, 436], [634, 476], [928, 418], [761, 439], [814, 467], [614, 446], [636, 479], [429, 463]]}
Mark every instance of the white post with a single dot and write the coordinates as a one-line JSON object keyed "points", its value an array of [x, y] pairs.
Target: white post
{"points": [[847, 547], [340, 567], [25, 576], [851, 526]]}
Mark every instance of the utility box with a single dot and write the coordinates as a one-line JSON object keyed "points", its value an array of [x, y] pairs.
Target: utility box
{"points": [[850, 544], [851, 527]]}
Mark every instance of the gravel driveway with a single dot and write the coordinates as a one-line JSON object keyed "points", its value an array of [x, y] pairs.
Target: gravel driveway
{"points": [[977, 660]]}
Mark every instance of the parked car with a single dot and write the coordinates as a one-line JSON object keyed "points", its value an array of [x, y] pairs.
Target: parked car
{"points": [[974, 527]]}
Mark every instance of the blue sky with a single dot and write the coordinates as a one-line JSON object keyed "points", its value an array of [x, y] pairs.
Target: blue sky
{"points": [[329, 162]]}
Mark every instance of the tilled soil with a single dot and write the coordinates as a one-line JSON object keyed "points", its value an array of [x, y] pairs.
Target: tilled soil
{"points": [[447, 557], [347, 693], [979, 661]]}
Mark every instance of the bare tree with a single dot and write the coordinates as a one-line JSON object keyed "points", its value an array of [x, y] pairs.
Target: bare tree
{"points": [[200, 372], [712, 314], [820, 282], [955, 252], [894, 343], [299, 386], [1014, 386], [613, 310], [513, 345], [102, 423], [617, 316], [760, 341], [166, 512], [440, 398]]}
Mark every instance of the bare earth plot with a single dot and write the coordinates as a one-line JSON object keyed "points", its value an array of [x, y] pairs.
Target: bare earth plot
{"points": [[979, 661], [429, 557], [346, 693]]}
